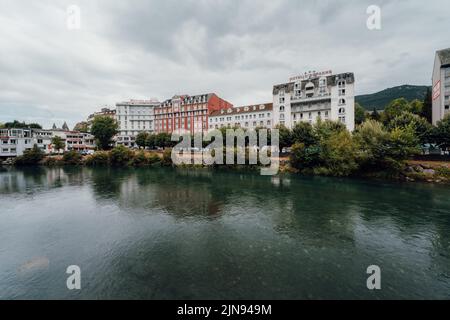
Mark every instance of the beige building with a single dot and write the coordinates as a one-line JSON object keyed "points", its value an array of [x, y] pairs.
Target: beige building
{"points": [[247, 117], [441, 85]]}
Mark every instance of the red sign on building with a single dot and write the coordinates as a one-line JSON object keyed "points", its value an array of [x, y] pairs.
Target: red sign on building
{"points": [[437, 90]]}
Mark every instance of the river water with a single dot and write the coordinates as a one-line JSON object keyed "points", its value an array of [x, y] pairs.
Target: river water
{"points": [[201, 234]]}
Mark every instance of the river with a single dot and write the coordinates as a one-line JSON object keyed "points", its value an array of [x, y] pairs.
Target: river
{"points": [[200, 234]]}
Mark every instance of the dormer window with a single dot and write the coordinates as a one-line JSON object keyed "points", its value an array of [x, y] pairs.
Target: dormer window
{"points": [[309, 89]]}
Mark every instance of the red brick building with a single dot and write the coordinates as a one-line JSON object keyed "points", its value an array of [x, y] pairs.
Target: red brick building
{"points": [[189, 113]]}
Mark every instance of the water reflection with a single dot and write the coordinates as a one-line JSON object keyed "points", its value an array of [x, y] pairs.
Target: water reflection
{"points": [[209, 234]]}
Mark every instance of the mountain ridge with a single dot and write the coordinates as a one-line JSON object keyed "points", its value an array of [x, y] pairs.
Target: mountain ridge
{"points": [[380, 99]]}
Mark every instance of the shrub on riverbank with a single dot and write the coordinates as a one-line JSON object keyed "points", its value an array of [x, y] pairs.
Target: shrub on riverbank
{"points": [[72, 158], [329, 149], [31, 156], [99, 158], [120, 156]]}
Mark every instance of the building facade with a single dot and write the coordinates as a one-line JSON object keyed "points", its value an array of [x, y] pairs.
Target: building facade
{"points": [[187, 113], [313, 96], [133, 117], [247, 117], [15, 141], [441, 85]]}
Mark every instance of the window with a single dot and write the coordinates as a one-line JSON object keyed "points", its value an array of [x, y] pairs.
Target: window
{"points": [[310, 115], [341, 102], [341, 83], [281, 116], [281, 99], [281, 108], [341, 110], [342, 92]]}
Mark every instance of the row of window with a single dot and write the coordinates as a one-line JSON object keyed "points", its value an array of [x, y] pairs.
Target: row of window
{"points": [[238, 124], [6, 150], [241, 117]]}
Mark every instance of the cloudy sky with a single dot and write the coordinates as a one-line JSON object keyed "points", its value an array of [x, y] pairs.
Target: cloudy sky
{"points": [[237, 49]]}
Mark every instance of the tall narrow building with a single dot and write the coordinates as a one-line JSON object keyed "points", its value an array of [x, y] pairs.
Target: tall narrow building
{"points": [[441, 85], [134, 116]]}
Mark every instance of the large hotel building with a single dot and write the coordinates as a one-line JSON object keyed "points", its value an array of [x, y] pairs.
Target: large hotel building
{"points": [[441, 85], [187, 113], [314, 95]]}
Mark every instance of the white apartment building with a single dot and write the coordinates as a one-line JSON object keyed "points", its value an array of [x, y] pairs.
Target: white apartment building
{"points": [[248, 117], [13, 142], [74, 140], [315, 95], [441, 85], [134, 116]]}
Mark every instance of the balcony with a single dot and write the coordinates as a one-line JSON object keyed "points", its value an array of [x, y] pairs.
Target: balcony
{"points": [[316, 97]]}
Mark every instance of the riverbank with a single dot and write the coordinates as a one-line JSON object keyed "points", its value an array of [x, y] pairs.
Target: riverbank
{"points": [[411, 170]]}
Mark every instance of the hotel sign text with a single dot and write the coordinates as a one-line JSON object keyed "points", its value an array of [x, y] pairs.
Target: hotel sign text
{"points": [[311, 75]]}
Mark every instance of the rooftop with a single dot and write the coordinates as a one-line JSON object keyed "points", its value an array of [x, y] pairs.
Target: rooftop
{"points": [[444, 56]]}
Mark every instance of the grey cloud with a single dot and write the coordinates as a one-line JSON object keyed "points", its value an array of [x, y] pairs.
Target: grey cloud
{"points": [[239, 49]]}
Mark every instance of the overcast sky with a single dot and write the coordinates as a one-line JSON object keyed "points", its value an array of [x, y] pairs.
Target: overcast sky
{"points": [[237, 49]]}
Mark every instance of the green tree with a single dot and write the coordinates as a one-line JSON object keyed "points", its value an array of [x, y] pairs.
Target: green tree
{"points": [[338, 155], [141, 139], [441, 133], [360, 114], [285, 136], [393, 109], [303, 132], [72, 158], [163, 140], [58, 143], [120, 156], [427, 106], [375, 115], [379, 149], [81, 126], [104, 128], [150, 141], [422, 128], [23, 125]]}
